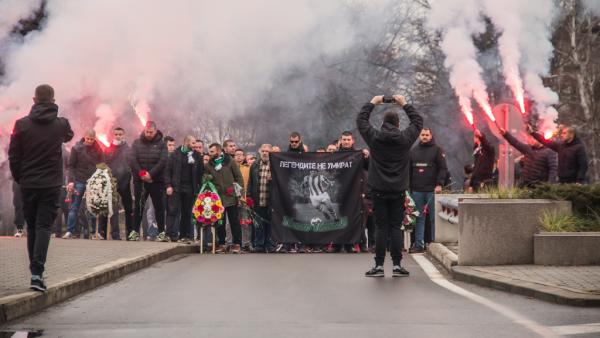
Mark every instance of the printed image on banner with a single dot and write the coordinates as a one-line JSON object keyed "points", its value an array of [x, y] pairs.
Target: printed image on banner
{"points": [[317, 197]]}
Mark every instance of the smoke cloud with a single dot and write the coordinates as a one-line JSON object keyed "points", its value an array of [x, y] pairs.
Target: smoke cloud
{"points": [[13, 11], [459, 21], [156, 58]]}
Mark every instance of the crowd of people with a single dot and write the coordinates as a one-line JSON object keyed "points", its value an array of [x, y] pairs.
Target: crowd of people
{"points": [[159, 178]]}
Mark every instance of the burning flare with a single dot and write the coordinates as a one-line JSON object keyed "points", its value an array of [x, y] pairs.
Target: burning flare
{"points": [[104, 140], [548, 134]]}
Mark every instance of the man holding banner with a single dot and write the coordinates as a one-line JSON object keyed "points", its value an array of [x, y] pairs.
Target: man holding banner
{"points": [[388, 176]]}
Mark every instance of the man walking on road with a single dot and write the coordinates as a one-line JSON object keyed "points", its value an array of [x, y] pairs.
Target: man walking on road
{"points": [[388, 176], [35, 157]]}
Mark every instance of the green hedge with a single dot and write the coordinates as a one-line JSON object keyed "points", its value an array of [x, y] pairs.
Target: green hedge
{"points": [[585, 198]]}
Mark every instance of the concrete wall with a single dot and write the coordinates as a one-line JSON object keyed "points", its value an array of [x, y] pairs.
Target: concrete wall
{"points": [[567, 248], [446, 232], [500, 232]]}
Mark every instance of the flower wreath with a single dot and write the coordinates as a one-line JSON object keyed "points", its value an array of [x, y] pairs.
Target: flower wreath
{"points": [[410, 213], [101, 193], [208, 208]]}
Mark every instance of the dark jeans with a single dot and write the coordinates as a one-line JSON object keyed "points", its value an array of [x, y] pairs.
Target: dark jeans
{"points": [[424, 199], [18, 205], [261, 238], [63, 213], [40, 207], [234, 222], [127, 201], [180, 206], [388, 213], [77, 201], [156, 190]]}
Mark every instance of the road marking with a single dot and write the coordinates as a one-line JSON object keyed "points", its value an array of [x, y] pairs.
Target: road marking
{"points": [[436, 277], [565, 330]]}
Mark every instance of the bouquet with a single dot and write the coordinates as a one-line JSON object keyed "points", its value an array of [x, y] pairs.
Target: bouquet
{"points": [[208, 208], [410, 213], [101, 192]]}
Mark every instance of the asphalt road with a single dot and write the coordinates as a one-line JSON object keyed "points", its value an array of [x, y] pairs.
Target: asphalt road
{"points": [[320, 295]]}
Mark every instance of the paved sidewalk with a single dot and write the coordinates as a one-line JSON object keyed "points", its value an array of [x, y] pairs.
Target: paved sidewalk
{"points": [[72, 267], [573, 285]]}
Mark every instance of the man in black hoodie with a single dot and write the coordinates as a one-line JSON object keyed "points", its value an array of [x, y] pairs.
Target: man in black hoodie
{"points": [[35, 158], [388, 176], [85, 155], [572, 158], [539, 163], [117, 155], [484, 155], [428, 172], [148, 161]]}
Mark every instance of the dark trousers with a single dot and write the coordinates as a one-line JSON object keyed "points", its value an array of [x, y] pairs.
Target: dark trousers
{"points": [[261, 237], [388, 213], [234, 223], [18, 205], [156, 190], [63, 213], [371, 231], [180, 206], [127, 201], [40, 207]]}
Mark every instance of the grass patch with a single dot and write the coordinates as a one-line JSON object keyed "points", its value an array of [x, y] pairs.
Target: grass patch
{"points": [[552, 221], [504, 193]]}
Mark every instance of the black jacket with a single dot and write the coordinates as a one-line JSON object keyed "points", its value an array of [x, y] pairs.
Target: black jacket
{"points": [[390, 149], [83, 161], [35, 150], [149, 155], [483, 166], [300, 148], [427, 167], [253, 190], [572, 159], [117, 158], [173, 175], [538, 165]]}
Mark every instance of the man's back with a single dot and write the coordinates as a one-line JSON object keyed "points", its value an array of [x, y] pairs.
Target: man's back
{"points": [[35, 151], [390, 149]]}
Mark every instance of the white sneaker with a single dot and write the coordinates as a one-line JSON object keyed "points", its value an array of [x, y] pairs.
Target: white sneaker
{"points": [[19, 234], [68, 235], [99, 237]]}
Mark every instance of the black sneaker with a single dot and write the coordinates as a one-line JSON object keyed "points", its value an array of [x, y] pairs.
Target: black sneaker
{"points": [[416, 250], [375, 272], [400, 272], [37, 284]]}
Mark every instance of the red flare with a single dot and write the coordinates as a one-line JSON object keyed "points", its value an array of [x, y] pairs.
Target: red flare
{"points": [[483, 103], [521, 102], [104, 140], [143, 120], [548, 134]]}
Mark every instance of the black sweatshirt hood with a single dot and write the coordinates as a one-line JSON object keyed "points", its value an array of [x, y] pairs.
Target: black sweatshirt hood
{"points": [[43, 113]]}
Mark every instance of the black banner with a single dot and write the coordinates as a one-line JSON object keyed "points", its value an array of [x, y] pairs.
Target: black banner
{"points": [[317, 197]]}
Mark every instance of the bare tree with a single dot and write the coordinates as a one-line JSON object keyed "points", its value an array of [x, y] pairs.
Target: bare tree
{"points": [[576, 76]]}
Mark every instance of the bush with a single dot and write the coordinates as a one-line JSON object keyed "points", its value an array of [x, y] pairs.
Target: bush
{"points": [[585, 198]]}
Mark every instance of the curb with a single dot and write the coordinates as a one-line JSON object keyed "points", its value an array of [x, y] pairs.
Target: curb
{"points": [[23, 304], [443, 255], [528, 289]]}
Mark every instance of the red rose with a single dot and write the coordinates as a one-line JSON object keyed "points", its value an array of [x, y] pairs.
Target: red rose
{"points": [[249, 202], [143, 173], [215, 208], [229, 191]]}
